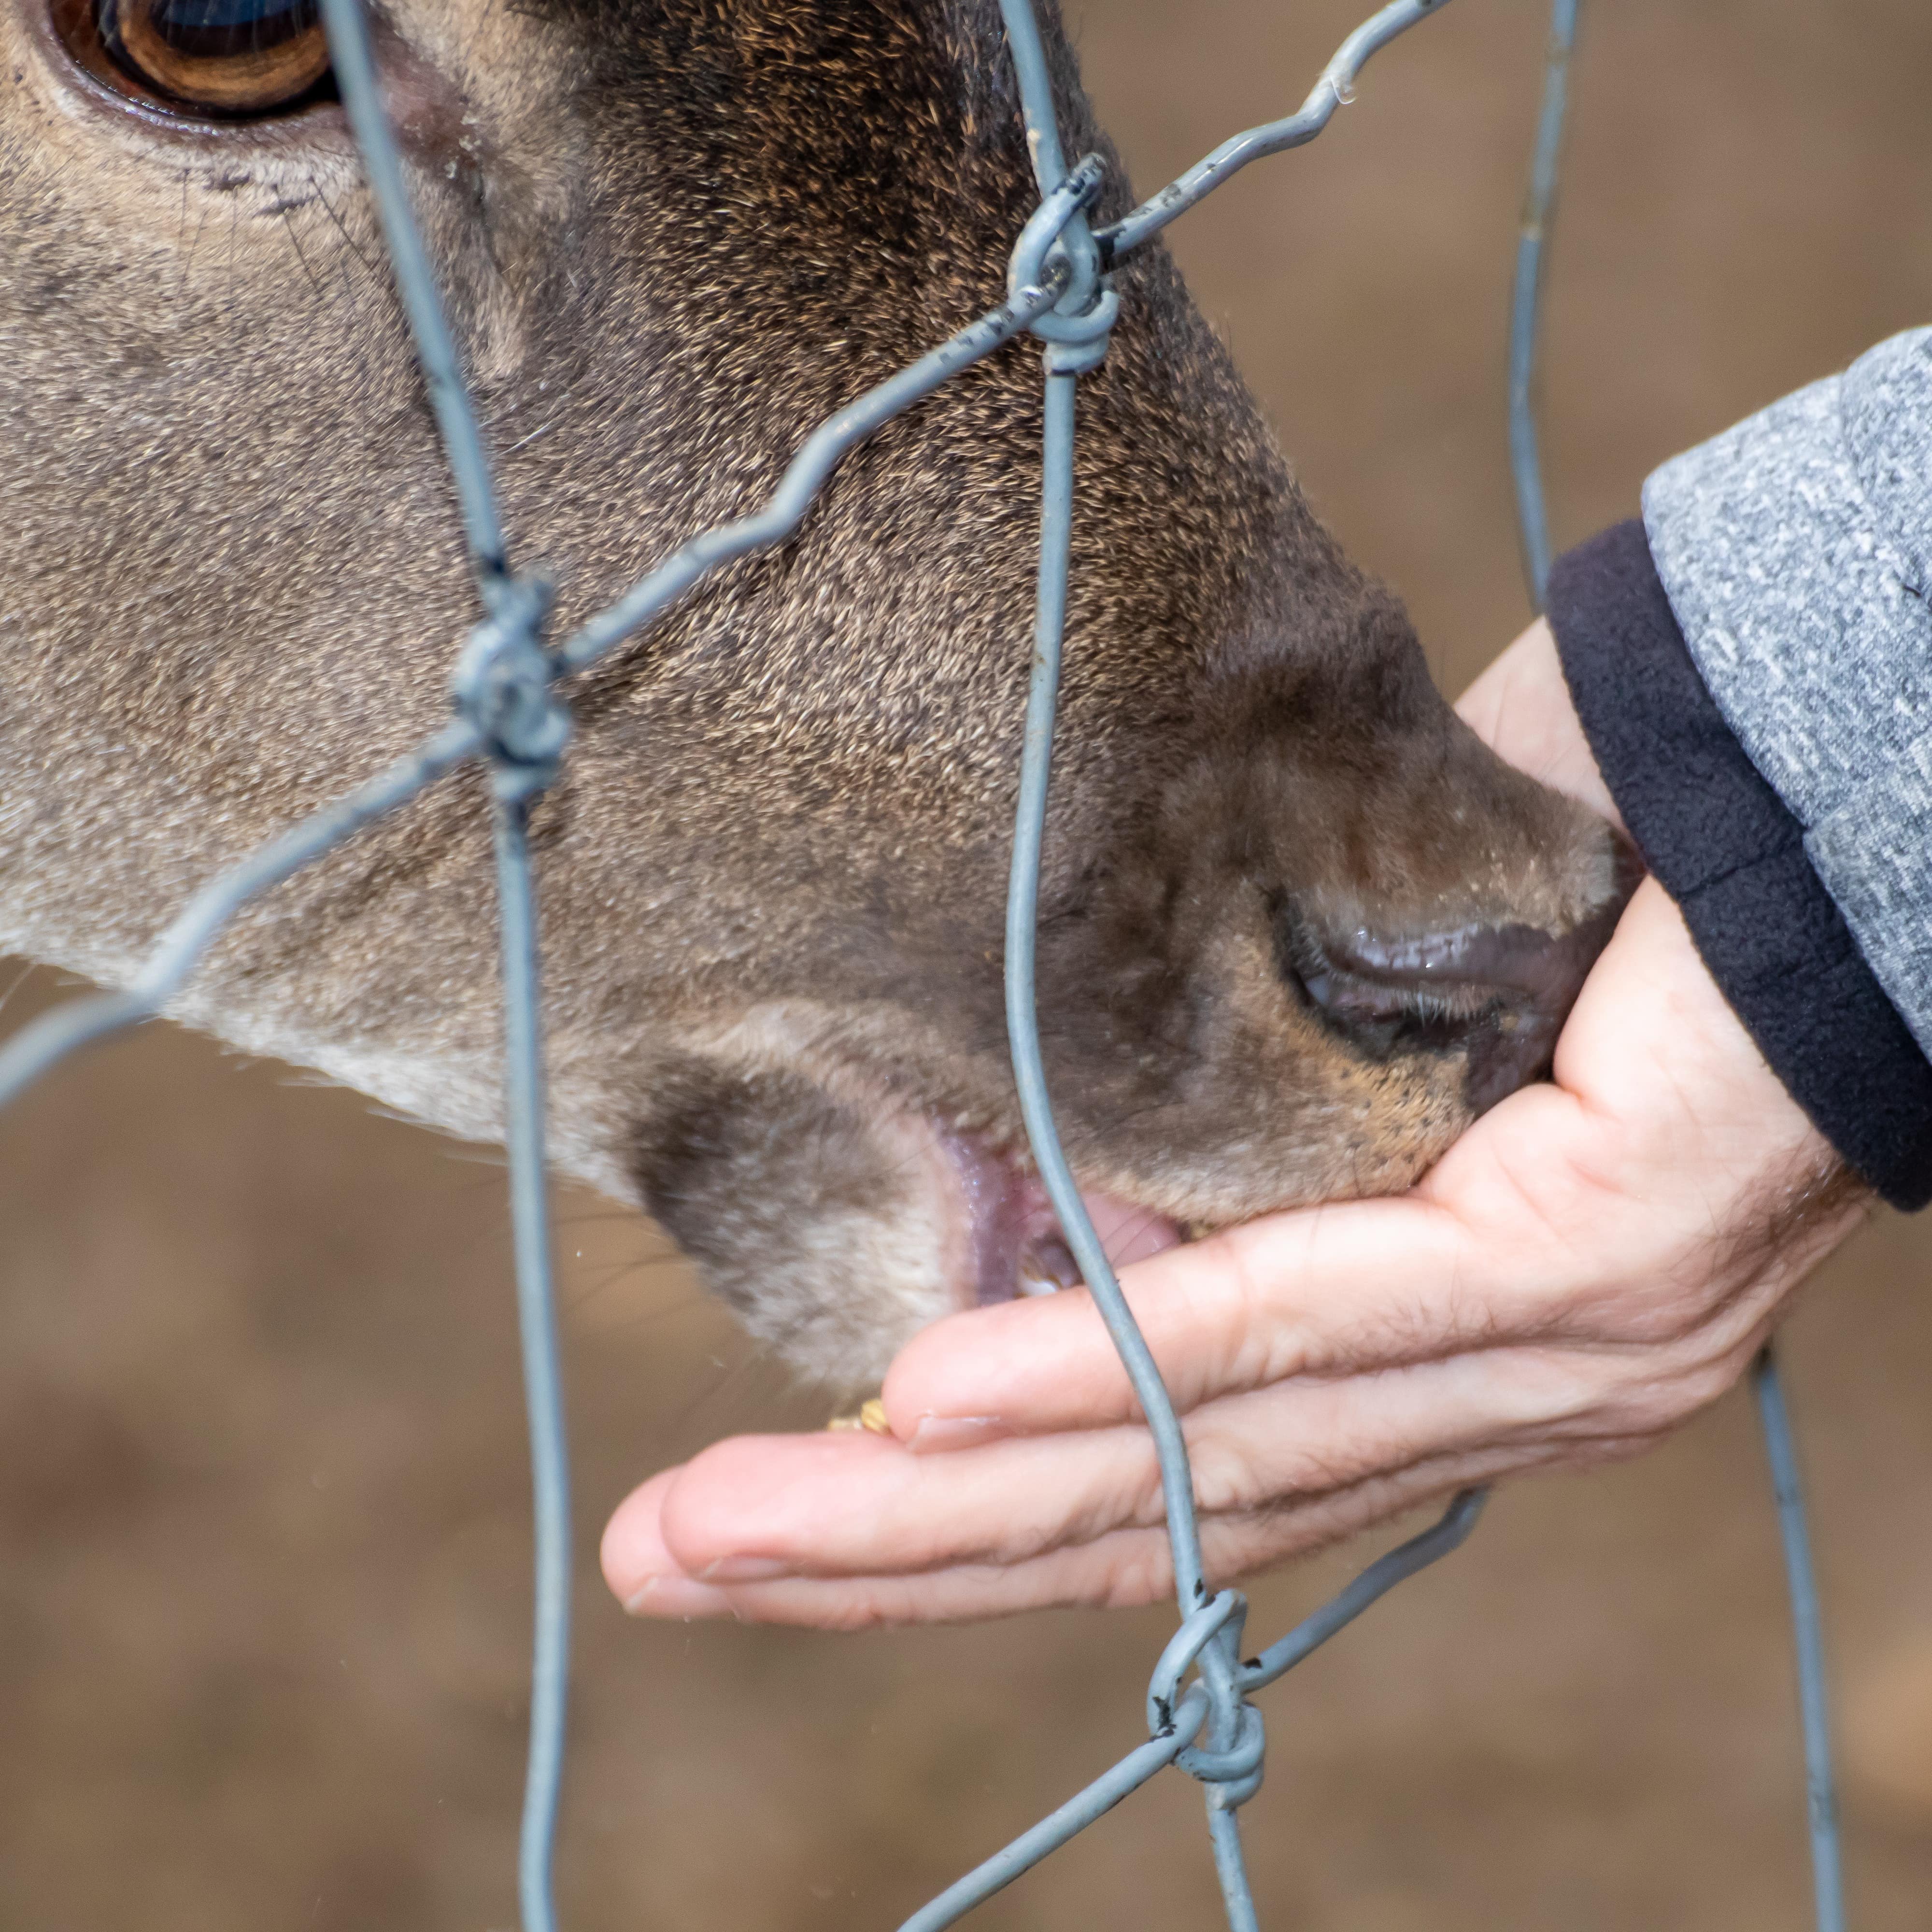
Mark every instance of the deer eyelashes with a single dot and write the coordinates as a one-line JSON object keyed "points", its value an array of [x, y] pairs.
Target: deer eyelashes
{"points": [[208, 59]]}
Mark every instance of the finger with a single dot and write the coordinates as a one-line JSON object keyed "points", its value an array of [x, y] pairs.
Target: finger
{"points": [[642, 1573], [1519, 1411], [850, 1503], [757, 1508], [1122, 1569], [1600, 1209], [1324, 1291], [1347, 1288]]}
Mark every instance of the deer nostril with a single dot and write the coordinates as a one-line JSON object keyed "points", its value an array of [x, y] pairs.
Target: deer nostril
{"points": [[1499, 994], [1538, 976]]}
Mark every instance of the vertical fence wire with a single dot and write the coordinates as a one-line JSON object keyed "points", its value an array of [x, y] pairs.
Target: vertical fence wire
{"points": [[1056, 537], [543, 1380], [510, 715], [1229, 1761], [503, 685], [1539, 209], [1087, 311], [1821, 1796], [1533, 528]]}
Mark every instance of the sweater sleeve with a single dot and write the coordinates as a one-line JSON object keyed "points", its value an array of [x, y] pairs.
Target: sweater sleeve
{"points": [[1794, 549], [1736, 857]]}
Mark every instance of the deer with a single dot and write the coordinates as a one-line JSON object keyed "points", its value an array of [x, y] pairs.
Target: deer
{"points": [[1298, 925]]}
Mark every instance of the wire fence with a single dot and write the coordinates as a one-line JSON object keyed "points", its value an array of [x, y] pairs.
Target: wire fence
{"points": [[509, 715]]}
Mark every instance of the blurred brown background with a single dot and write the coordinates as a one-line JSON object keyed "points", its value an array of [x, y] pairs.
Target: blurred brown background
{"points": [[262, 1498]]}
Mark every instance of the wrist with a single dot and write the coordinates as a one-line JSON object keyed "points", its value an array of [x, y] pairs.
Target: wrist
{"points": [[1521, 708]]}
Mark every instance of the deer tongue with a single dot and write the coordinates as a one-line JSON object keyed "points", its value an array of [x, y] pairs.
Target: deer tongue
{"points": [[1015, 1240]]}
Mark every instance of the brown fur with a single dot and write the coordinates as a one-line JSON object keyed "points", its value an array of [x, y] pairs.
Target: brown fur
{"points": [[674, 234]]}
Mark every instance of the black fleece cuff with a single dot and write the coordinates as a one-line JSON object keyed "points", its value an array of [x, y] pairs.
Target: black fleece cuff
{"points": [[1722, 844]]}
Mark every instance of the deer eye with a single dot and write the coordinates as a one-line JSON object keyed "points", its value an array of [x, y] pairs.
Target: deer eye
{"points": [[210, 59]]}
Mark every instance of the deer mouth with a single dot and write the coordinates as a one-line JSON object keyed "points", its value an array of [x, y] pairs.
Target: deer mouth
{"points": [[1014, 1244]]}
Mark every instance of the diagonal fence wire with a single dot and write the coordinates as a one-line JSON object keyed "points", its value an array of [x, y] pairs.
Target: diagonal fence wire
{"points": [[510, 715]]}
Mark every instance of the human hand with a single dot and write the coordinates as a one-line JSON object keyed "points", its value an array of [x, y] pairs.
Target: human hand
{"points": [[1593, 1261]]}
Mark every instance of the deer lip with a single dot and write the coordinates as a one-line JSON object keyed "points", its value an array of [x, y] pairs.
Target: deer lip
{"points": [[1014, 1244]]}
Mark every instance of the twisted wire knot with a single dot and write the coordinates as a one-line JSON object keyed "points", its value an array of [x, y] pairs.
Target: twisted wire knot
{"points": [[1233, 1774], [1076, 343], [1055, 246], [1230, 1763], [504, 684]]}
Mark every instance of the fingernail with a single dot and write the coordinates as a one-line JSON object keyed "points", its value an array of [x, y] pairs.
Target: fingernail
{"points": [[744, 1570], [675, 1597], [956, 1432]]}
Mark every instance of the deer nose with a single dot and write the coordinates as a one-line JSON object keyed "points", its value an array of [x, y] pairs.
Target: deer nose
{"points": [[1498, 994]]}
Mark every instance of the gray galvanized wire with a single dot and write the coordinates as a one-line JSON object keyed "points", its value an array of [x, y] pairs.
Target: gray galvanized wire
{"points": [[1533, 528], [1229, 1761], [1335, 88], [1821, 1794], [50, 1039], [510, 715], [543, 1380], [435, 349], [1539, 207], [47, 1039]]}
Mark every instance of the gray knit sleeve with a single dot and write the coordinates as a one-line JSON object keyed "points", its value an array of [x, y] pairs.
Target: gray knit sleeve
{"points": [[1795, 550]]}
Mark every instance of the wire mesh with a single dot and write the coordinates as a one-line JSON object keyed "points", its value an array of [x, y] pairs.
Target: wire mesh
{"points": [[510, 715]]}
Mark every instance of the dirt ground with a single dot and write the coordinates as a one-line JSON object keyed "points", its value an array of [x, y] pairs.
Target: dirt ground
{"points": [[262, 1498]]}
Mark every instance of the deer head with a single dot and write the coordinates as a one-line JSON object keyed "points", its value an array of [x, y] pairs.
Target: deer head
{"points": [[1298, 926]]}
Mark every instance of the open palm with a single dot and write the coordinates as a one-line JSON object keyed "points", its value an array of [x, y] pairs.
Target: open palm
{"points": [[1595, 1260]]}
